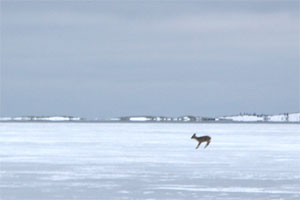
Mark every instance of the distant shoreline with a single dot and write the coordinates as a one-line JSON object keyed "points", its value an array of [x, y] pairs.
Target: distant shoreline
{"points": [[287, 118], [153, 122]]}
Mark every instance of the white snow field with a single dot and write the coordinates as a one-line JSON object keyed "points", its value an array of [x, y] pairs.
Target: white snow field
{"points": [[50, 161]]}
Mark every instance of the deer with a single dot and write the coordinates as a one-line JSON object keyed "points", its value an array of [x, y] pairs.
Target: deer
{"points": [[201, 139]]}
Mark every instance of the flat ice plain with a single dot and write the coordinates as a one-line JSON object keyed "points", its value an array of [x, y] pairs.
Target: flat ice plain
{"points": [[49, 161]]}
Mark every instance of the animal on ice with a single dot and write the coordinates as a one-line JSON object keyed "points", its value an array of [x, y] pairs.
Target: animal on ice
{"points": [[201, 139]]}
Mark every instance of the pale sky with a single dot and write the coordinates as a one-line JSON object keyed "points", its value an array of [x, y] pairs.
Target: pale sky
{"points": [[172, 58]]}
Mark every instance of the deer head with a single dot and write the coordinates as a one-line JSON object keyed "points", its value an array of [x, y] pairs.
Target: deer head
{"points": [[193, 136]]}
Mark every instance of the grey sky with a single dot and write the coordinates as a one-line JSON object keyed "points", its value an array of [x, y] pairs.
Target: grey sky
{"points": [[102, 59]]}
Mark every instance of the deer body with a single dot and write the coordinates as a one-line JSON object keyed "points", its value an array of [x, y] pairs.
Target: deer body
{"points": [[201, 139]]}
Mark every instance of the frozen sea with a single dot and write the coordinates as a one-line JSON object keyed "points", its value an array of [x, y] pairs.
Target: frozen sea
{"points": [[62, 161]]}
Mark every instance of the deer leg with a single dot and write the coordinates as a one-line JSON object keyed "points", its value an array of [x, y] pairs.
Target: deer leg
{"points": [[207, 143], [198, 145]]}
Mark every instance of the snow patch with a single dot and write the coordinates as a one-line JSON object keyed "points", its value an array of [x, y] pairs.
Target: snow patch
{"points": [[244, 118], [139, 119]]}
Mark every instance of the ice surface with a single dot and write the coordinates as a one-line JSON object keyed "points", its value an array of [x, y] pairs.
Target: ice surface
{"points": [[148, 161]]}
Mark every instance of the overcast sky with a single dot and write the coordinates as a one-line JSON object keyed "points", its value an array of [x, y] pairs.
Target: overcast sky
{"points": [[103, 59]]}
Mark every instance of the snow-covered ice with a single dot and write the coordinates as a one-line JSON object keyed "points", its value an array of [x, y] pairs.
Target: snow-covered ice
{"points": [[148, 161]]}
